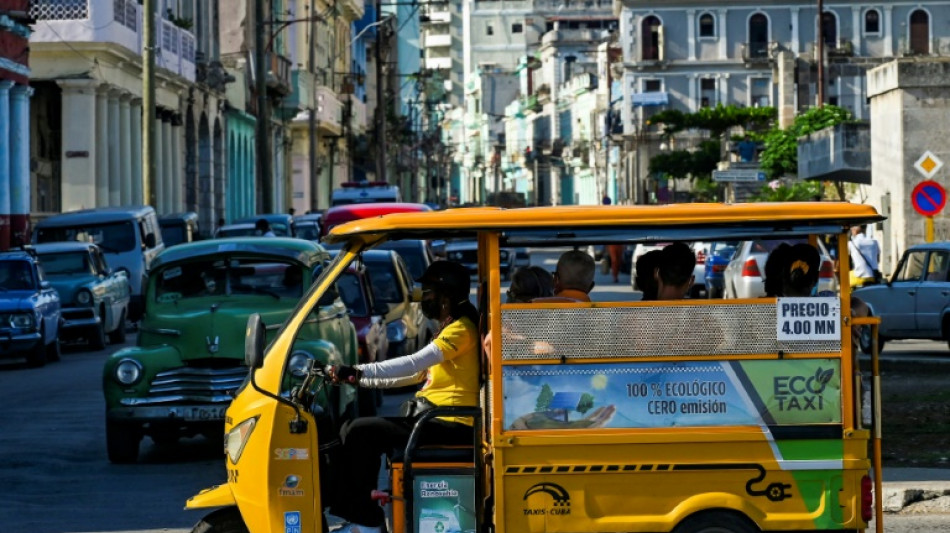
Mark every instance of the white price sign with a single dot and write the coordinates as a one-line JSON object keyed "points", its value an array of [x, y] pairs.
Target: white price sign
{"points": [[808, 319]]}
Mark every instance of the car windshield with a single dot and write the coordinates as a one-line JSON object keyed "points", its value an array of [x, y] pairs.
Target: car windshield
{"points": [[411, 254], [759, 247], [66, 263], [229, 276], [16, 276], [172, 235], [723, 249], [385, 282], [308, 231], [352, 294], [112, 237]]}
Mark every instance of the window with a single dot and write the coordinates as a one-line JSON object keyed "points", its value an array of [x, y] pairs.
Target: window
{"points": [[758, 45], [707, 25], [829, 28], [760, 92], [652, 86], [707, 92], [517, 27], [937, 268], [489, 29], [912, 267], [920, 32], [650, 31], [872, 22]]}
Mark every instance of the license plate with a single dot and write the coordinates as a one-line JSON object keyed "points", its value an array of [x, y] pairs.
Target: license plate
{"points": [[198, 413]]}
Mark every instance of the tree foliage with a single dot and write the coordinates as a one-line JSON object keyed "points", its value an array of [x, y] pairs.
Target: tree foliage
{"points": [[795, 191], [688, 164], [780, 157], [716, 120], [585, 403], [544, 398]]}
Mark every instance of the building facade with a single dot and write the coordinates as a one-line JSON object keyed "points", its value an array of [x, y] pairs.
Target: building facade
{"points": [[15, 186]]}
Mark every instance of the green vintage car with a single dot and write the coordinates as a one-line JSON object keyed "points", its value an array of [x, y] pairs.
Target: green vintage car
{"points": [[95, 299], [189, 358]]}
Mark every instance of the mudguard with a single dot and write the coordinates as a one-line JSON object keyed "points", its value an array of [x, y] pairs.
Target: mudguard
{"points": [[217, 496]]}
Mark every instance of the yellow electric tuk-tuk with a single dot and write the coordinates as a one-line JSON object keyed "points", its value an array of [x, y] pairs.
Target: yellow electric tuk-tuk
{"points": [[616, 415]]}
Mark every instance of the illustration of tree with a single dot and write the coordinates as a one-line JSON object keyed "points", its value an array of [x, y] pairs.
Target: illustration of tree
{"points": [[544, 399], [585, 404]]}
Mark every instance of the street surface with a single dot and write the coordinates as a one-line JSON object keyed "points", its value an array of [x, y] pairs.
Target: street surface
{"points": [[55, 478]]}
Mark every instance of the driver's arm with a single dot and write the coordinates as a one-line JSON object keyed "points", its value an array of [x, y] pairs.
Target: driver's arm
{"points": [[401, 371]]}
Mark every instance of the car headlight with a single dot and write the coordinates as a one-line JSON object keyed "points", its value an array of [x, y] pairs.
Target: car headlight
{"points": [[128, 372], [299, 363], [235, 440], [84, 297], [22, 321], [396, 331]]}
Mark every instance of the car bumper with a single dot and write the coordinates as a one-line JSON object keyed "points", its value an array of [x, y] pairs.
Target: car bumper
{"points": [[212, 412], [12, 343], [79, 318]]}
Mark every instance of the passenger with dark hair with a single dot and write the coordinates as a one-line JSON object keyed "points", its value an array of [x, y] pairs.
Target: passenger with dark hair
{"points": [[646, 274], [528, 283], [800, 277], [674, 271], [774, 266], [262, 226]]}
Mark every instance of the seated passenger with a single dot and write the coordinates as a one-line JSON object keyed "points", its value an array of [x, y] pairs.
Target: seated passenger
{"points": [[646, 274], [774, 266], [674, 271], [573, 278], [800, 277], [528, 283]]}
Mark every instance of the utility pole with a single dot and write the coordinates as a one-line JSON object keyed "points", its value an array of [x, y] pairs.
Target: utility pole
{"points": [[821, 53], [148, 103], [380, 100], [312, 122], [263, 119]]}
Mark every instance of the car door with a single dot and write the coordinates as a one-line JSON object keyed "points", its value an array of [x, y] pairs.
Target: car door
{"points": [[899, 310], [107, 289], [933, 296], [48, 303]]}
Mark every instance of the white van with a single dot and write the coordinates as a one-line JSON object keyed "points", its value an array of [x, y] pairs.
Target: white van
{"points": [[365, 192]]}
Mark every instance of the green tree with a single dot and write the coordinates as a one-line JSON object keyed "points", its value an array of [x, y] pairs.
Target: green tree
{"points": [[585, 403], [544, 399], [780, 157], [798, 191]]}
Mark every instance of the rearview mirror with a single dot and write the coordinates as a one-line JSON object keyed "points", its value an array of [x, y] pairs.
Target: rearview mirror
{"points": [[150, 240], [254, 341]]}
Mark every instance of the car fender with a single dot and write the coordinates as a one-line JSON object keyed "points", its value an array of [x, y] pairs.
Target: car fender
{"points": [[217, 496], [944, 315]]}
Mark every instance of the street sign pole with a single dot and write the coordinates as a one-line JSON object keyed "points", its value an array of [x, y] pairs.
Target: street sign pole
{"points": [[929, 231]]}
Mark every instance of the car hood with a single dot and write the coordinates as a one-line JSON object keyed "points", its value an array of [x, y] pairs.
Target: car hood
{"points": [[68, 286], [211, 329], [16, 301]]}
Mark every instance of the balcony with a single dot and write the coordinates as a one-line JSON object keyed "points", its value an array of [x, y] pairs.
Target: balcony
{"points": [[353, 9], [278, 73], [838, 153], [438, 63], [432, 40], [329, 111], [301, 95], [117, 22], [357, 115], [757, 52]]}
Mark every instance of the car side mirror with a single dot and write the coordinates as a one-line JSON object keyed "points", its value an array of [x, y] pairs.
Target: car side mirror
{"points": [[45, 285], [329, 297], [150, 240], [416, 293], [254, 341]]}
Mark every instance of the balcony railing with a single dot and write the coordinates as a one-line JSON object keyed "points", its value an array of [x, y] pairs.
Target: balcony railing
{"points": [[757, 51], [357, 114], [437, 39], [278, 73], [113, 21], [329, 110]]}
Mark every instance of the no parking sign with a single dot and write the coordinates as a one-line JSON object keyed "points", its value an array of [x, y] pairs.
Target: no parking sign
{"points": [[928, 198]]}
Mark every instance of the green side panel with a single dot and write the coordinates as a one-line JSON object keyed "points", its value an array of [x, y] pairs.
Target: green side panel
{"points": [[798, 391], [817, 486], [800, 450]]}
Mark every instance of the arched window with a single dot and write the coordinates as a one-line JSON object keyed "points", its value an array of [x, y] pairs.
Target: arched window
{"points": [[920, 32], [829, 28], [707, 25], [872, 21], [758, 35], [650, 31]]}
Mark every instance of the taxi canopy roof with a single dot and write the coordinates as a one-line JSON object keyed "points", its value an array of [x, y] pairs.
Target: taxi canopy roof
{"points": [[564, 225]]}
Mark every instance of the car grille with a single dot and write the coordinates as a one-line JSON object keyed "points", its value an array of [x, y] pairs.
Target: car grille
{"points": [[78, 313], [213, 384]]}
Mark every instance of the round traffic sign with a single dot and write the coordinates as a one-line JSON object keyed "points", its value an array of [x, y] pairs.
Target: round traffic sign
{"points": [[928, 198]]}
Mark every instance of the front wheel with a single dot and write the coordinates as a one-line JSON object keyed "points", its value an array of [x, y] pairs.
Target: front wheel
{"points": [[864, 340], [118, 335], [227, 520], [37, 356], [716, 522], [97, 337], [122, 442]]}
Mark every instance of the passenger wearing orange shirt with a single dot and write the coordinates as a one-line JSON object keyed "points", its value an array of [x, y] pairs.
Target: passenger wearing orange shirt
{"points": [[573, 278]]}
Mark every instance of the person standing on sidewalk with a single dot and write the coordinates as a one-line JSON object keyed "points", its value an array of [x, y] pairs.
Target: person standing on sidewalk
{"points": [[614, 252], [865, 255]]}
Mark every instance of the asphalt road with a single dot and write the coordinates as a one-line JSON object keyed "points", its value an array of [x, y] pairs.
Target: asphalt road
{"points": [[55, 477]]}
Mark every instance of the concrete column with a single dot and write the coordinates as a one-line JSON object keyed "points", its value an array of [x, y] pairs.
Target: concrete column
{"points": [[724, 89], [78, 139], [693, 80], [857, 27], [723, 35], [158, 199], [135, 154], [6, 181], [168, 168], [691, 33], [795, 23], [102, 146], [888, 27], [20, 164], [177, 184], [115, 149], [125, 150]]}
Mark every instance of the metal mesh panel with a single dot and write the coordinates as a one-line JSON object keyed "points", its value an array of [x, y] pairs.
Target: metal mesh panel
{"points": [[691, 330], [59, 9]]}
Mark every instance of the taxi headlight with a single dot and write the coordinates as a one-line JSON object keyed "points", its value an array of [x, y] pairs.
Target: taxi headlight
{"points": [[22, 321], [128, 372], [235, 440], [396, 331], [299, 363], [84, 297]]}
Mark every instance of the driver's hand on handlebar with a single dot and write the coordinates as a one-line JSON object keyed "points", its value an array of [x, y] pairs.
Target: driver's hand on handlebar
{"points": [[345, 374]]}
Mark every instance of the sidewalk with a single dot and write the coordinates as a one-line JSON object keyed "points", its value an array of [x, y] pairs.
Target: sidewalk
{"points": [[916, 490]]}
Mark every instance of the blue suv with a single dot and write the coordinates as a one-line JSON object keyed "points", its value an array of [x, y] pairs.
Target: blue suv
{"points": [[29, 310]]}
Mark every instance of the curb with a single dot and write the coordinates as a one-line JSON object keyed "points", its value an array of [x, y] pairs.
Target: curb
{"points": [[909, 497]]}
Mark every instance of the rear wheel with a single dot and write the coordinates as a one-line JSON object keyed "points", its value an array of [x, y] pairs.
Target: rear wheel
{"points": [[117, 336], [716, 522], [864, 340], [122, 442], [227, 520]]}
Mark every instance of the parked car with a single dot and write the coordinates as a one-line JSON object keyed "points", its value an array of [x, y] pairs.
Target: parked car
{"points": [[338, 214], [307, 229], [129, 237], [282, 224], [179, 227], [189, 358], [416, 253], [743, 278], [465, 251], [914, 303], [716, 260], [29, 310], [368, 318], [407, 328], [95, 299], [236, 230]]}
